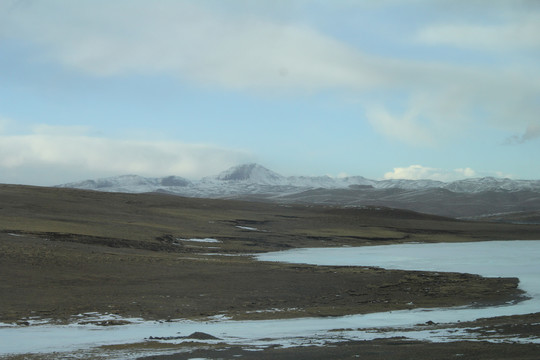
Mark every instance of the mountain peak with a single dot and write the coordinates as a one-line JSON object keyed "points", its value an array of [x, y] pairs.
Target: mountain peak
{"points": [[251, 172]]}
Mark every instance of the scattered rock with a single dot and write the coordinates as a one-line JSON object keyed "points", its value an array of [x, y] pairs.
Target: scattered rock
{"points": [[105, 322], [201, 336], [196, 335], [166, 337], [167, 238], [427, 323]]}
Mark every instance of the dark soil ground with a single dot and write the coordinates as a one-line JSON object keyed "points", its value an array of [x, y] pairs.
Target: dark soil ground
{"points": [[65, 252], [58, 279], [394, 349]]}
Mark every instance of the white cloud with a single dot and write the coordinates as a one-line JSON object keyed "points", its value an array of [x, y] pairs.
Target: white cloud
{"points": [[419, 172], [466, 172], [57, 130], [404, 128], [515, 34], [54, 157], [209, 46], [190, 41]]}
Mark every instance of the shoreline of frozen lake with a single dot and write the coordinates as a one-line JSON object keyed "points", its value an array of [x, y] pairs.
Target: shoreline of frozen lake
{"points": [[493, 258], [511, 258]]}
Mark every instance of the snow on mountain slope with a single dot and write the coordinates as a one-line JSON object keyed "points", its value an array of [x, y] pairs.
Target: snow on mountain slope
{"points": [[315, 182], [130, 184], [408, 184], [492, 184], [254, 178], [469, 197], [250, 173]]}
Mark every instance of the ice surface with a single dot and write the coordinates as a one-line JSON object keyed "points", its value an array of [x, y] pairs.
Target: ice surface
{"points": [[495, 258], [205, 240], [248, 228], [488, 258], [13, 234]]}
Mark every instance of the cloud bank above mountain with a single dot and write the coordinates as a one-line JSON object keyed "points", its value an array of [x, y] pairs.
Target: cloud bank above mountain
{"points": [[70, 152], [418, 172]]}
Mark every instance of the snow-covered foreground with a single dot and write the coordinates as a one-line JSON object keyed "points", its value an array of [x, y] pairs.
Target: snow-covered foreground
{"points": [[497, 258]]}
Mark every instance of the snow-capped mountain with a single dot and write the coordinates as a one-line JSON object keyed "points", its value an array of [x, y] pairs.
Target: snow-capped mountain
{"points": [[249, 173], [130, 184], [492, 184], [469, 197], [250, 177]]}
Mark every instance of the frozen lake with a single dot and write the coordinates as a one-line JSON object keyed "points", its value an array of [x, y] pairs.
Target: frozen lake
{"points": [[487, 258], [516, 258], [495, 259]]}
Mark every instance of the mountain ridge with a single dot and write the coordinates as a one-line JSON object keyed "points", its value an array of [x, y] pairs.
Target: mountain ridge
{"points": [[256, 174], [474, 197]]}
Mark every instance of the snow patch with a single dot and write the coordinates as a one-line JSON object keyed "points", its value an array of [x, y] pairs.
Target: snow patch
{"points": [[247, 228], [204, 240], [273, 310]]}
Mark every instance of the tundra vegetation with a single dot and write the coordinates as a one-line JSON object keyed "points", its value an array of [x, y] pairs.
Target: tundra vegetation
{"points": [[160, 257]]}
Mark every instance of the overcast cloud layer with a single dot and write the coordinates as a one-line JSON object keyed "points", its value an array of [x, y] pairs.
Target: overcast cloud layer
{"points": [[445, 77]]}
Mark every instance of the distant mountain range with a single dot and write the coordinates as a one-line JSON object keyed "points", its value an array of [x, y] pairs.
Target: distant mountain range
{"points": [[479, 197]]}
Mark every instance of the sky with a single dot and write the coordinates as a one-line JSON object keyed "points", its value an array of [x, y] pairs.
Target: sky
{"points": [[432, 89]]}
